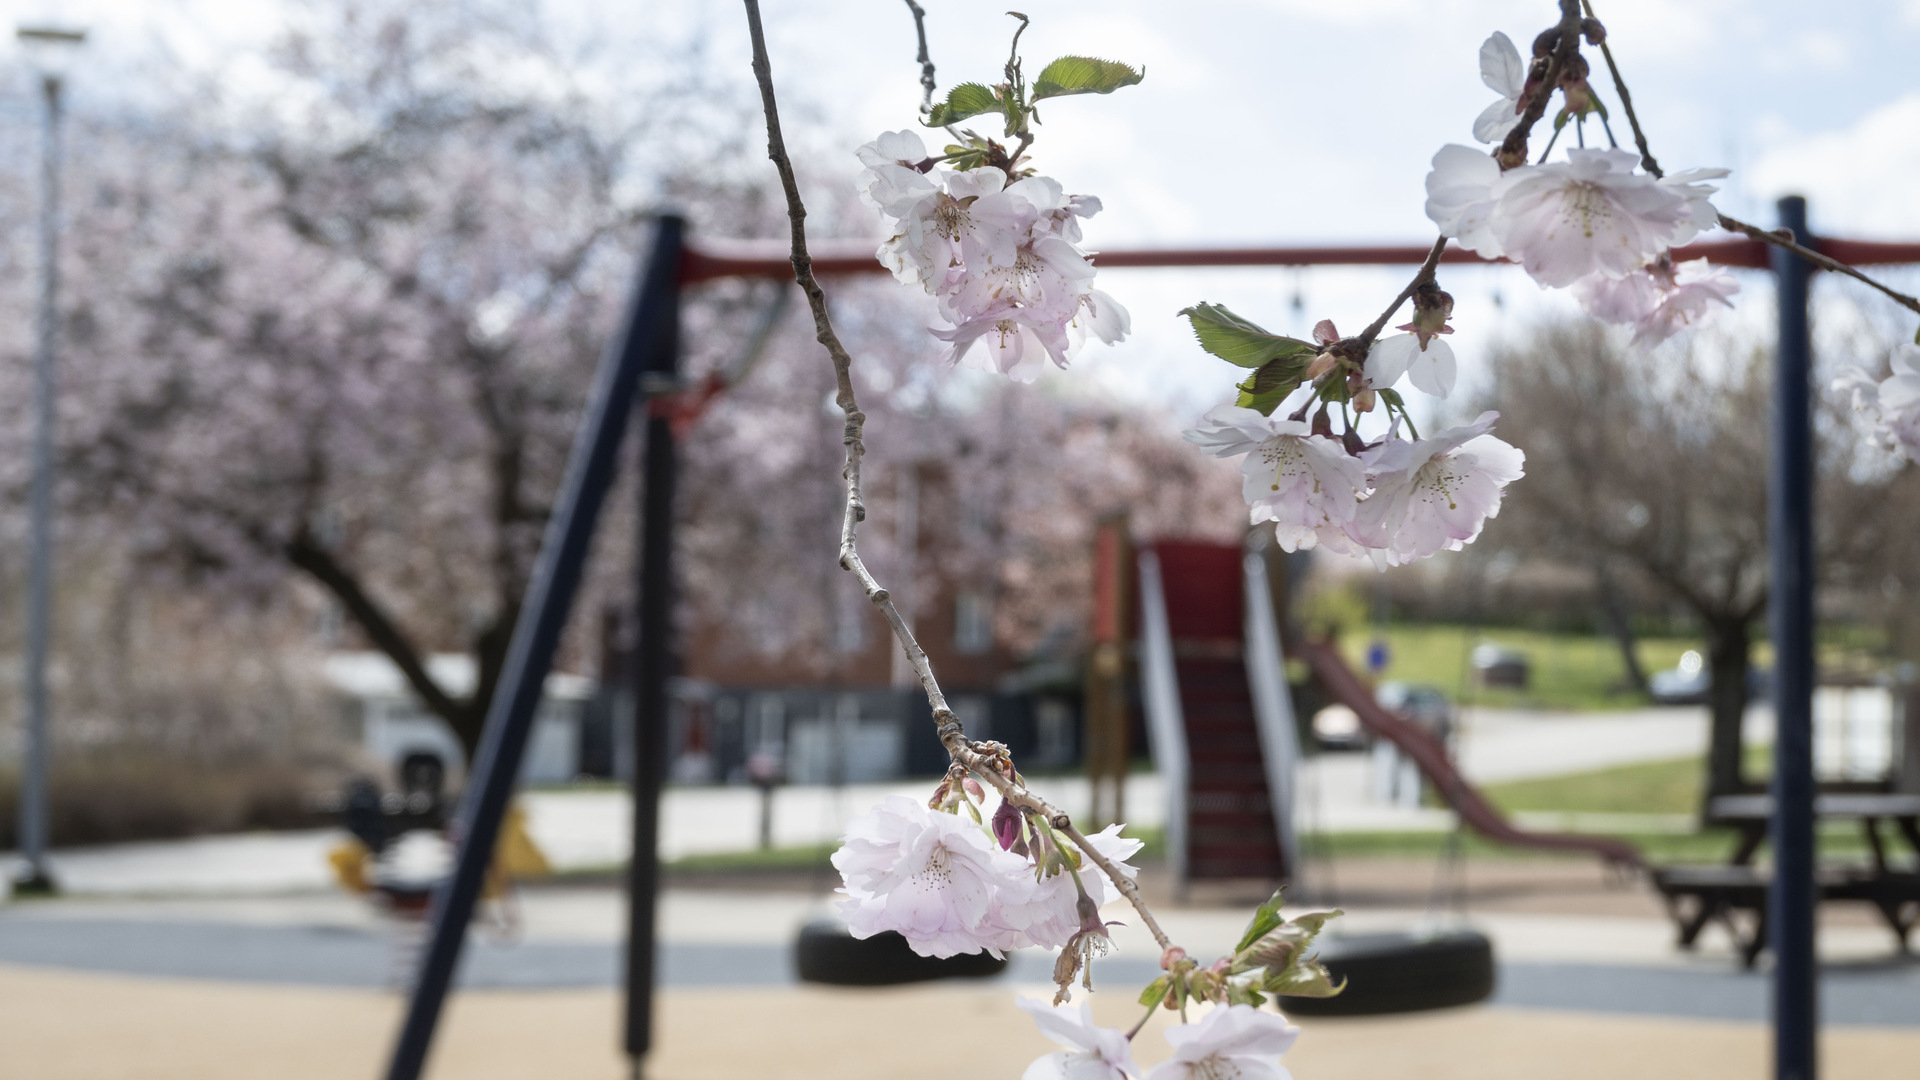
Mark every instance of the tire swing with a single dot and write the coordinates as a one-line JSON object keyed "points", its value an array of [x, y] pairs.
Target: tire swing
{"points": [[1402, 971], [827, 953]]}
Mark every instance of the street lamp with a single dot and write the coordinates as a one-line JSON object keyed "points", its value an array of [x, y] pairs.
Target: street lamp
{"points": [[50, 50]]}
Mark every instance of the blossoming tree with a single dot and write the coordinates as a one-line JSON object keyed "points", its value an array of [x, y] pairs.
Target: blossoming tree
{"points": [[1000, 248]]}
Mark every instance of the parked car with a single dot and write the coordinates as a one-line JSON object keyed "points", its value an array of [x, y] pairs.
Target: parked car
{"points": [[1426, 706], [1499, 665], [1688, 682], [1685, 684]]}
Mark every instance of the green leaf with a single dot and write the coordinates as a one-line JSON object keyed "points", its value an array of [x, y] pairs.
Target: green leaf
{"points": [[967, 99], [1308, 978], [1392, 397], [1082, 75], [1265, 918], [1156, 991], [1239, 342]]}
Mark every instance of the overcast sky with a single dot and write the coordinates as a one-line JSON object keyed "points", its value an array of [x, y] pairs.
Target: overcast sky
{"points": [[1285, 121]]}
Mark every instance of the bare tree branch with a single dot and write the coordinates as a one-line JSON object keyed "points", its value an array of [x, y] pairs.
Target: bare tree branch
{"points": [[927, 83]]}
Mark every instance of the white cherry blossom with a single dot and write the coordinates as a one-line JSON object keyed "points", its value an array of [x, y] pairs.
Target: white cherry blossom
{"points": [[1431, 366], [1891, 406], [1093, 1052], [1049, 917], [1505, 74], [1463, 192], [1700, 214], [893, 182], [1592, 213], [1306, 484], [929, 875], [1433, 494], [1237, 1041]]}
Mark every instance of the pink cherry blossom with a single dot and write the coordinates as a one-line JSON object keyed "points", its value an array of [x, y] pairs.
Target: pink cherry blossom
{"points": [[1306, 484], [1236, 1041], [1590, 214], [1003, 260], [1093, 1052], [1433, 494], [932, 876], [1658, 301]]}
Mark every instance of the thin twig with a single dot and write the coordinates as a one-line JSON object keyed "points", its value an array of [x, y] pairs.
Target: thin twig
{"points": [[968, 754], [1425, 275], [1780, 238], [1626, 102], [927, 84]]}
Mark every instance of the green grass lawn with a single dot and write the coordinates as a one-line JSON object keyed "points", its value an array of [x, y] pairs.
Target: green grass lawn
{"points": [[1569, 671]]}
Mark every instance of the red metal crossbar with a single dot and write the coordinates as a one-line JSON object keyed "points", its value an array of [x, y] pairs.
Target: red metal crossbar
{"points": [[715, 259]]}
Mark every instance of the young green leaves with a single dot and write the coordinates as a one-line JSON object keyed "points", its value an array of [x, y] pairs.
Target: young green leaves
{"points": [[1014, 100], [964, 102], [1083, 75], [1271, 959], [1279, 363]]}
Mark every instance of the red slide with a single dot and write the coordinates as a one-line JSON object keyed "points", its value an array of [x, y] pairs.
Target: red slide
{"points": [[1426, 751]]}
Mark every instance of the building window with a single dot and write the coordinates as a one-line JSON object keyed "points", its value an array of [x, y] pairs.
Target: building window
{"points": [[972, 622]]}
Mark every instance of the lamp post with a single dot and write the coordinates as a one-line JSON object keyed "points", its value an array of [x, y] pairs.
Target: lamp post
{"points": [[50, 49]]}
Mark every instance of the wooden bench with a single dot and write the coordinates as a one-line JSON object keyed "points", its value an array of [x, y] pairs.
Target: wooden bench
{"points": [[1736, 898]]}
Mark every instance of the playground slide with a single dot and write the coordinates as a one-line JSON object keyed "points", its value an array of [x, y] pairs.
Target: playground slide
{"points": [[1427, 752]]}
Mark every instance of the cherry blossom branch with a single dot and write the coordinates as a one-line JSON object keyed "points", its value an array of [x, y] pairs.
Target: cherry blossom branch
{"points": [[1513, 151], [1425, 275], [927, 83], [987, 760], [1779, 238]]}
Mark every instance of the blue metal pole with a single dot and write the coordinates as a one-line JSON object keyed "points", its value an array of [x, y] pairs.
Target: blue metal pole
{"points": [[1791, 906], [543, 616], [653, 665]]}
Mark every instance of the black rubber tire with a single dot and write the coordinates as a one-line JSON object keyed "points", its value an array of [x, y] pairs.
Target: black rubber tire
{"points": [[826, 953], [1402, 972]]}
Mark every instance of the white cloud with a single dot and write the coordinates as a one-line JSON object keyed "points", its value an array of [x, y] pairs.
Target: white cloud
{"points": [[1858, 180]]}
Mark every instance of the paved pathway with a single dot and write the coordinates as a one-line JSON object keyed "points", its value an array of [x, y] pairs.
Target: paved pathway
{"points": [[582, 829]]}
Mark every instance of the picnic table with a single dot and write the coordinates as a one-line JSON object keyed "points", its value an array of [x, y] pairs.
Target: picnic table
{"points": [[1735, 894]]}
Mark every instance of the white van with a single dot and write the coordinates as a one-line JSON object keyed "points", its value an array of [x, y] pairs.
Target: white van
{"points": [[418, 749]]}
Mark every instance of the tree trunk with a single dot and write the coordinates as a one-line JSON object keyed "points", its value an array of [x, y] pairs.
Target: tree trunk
{"points": [[1613, 606], [1727, 664]]}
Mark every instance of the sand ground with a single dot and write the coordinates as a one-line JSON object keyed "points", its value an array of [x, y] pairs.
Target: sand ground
{"points": [[58, 1025]]}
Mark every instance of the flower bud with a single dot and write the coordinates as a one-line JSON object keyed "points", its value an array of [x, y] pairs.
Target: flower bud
{"points": [[1172, 956], [1364, 400], [1322, 364], [1007, 830]]}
